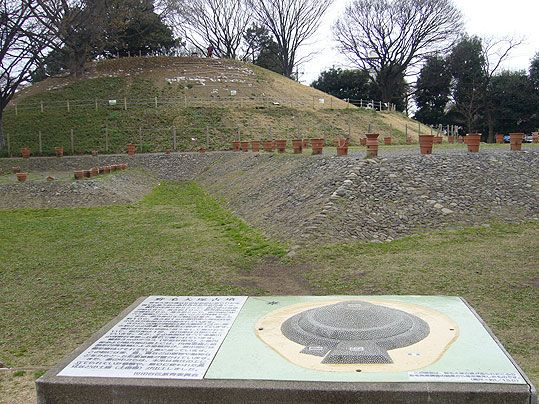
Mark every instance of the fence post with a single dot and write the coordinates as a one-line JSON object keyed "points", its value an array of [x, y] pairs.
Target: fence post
{"points": [[269, 134], [349, 129], [107, 139], [96, 104], [125, 103], [72, 143], [207, 137], [239, 134], [68, 109], [8, 145], [331, 103], [419, 128], [40, 143], [313, 103], [370, 128], [140, 138], [406, 132], [16, 110], [390, 130], [431, 131], [155, 100], [174, 138], [42, 109], [347, 103], [185, 101]]}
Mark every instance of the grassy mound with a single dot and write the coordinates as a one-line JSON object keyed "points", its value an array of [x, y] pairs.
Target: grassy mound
{"points": [[157, 103]]}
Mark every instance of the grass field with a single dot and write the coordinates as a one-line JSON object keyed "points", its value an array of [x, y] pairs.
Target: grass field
{"points": [[66, 272]]}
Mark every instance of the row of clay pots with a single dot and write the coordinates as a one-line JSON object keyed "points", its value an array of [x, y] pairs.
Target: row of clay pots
{"points": [[280, 145], [95, 171]]}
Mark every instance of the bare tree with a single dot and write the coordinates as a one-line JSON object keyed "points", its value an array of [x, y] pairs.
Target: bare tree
{"points": [[24, 41], [217, 23], [291, 22], [387, 37]]}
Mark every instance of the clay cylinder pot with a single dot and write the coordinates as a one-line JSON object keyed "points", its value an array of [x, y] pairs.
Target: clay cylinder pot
{"points": [[255, 146], [79, 174], [473, 140], [280, 145], [106, 169], [305, 143], [131, 149], [87, 173], [451, 139], [244, 146], [499, 139], [268, 146], [425, 144], [25, 152], [94, 171], [516, 141], [387, 140], [21, 177], [342, 150], [297, 145], [317, 146], [236, 145], [372, 145], [438, 139], [535, 137], [59, 151]]}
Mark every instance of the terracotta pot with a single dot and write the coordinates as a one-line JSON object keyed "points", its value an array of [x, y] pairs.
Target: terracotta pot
{"points": [[451, 139], [438, 140], [363, 141], [94, 171], [87, 173], [101, 170], [499, 139], [131, 149], [59, 151], [425, 144], [516, 141], [317, 146], [255, 146], [280, 145], [343, 142], [342, 150], [94, 153], [372, 145], [535, 137], [305, 143], [21, 177], [106, 169], [168, 151], [269, 145], [15, 169], [25, 152], [236, 145], [297, 145], [203, 150], [473, 140], [244, 146], [387, 140], [123, 166], [79, 174]]}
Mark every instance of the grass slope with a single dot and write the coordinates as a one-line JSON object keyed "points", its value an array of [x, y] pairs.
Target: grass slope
{"points": [[194, 108], [66, 272]]}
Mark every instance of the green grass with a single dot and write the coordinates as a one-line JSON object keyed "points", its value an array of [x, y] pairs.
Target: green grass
{"points": [[66, 272]]}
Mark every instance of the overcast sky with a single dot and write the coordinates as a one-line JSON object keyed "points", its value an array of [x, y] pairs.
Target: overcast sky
{"points": [[485, 18]]}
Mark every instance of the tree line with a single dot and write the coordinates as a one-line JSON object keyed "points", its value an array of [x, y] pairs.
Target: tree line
{"points": [[388, 41]]}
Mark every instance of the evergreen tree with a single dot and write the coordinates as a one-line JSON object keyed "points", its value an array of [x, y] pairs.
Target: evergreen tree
{"points": [[433, 90]]}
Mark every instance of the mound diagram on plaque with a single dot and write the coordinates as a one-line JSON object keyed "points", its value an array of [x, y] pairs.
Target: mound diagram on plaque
{"points": [[358, 335]]}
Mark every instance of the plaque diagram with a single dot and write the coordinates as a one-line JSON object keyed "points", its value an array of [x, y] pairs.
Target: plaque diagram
{"points": [[358, 335]]}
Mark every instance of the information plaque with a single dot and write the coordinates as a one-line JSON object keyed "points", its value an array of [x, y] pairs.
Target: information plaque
{"points": [[164, 337]]}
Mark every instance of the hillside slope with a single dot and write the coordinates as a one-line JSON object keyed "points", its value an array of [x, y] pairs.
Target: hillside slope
{"points": [[205, 102]]}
